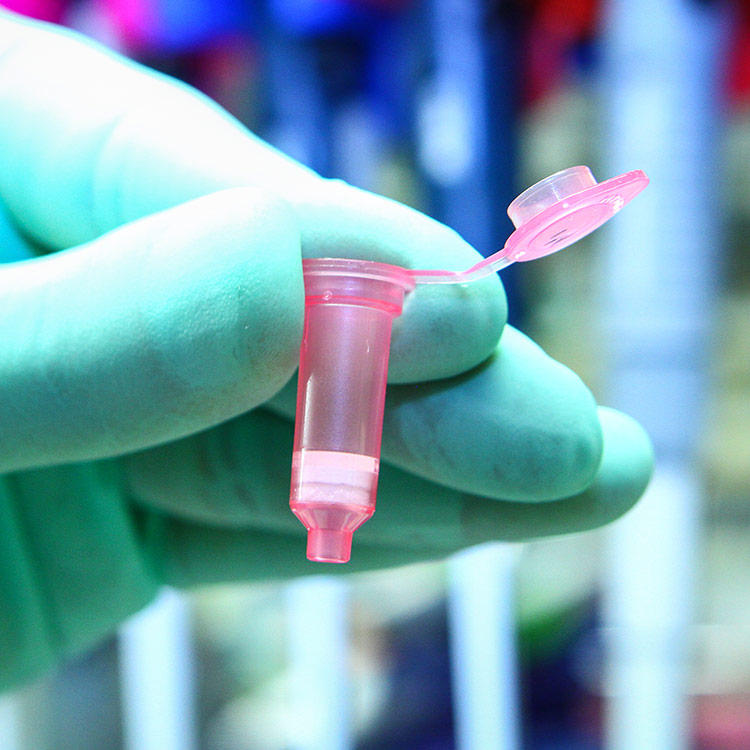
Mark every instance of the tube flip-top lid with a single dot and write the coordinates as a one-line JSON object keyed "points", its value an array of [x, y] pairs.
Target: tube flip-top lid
{"points": [[549, 216]]}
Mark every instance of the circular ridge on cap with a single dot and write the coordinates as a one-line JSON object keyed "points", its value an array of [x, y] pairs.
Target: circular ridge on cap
{"points": [[564, 208], [549, 191]]}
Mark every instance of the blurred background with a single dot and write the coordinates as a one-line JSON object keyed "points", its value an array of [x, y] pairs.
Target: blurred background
{"points": [[636, 636]]}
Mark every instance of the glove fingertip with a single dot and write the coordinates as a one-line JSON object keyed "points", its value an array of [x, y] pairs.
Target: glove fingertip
{"points": [[627, 464]]}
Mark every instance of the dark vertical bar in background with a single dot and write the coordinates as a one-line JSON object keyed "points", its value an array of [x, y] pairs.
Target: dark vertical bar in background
{"points": [[296, 117], [468, 121]]}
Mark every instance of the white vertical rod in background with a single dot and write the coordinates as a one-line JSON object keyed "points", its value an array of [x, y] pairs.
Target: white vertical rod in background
{"points": [[157, 676], [317, 615], [649, 614], [11, 722], [25, 718], [661, 94], [481, 617]]}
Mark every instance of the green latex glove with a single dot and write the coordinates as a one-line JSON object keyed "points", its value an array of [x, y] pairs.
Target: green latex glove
{"points": [[161, 304]]}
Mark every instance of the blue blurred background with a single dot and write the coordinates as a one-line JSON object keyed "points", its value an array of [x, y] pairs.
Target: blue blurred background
{"points": [[637, 636]]}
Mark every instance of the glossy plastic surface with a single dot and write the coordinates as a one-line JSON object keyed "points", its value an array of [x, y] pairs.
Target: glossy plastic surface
{"points": [[349, 309], [549, 191], [555, 212], [549, 216]]}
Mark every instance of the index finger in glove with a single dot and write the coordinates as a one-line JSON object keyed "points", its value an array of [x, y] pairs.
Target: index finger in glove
{"points": [[90, 141], [163, 327]]}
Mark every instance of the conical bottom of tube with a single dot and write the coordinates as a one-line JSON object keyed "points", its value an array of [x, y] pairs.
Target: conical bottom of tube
{"points": [[333, 494], [329, 545]]}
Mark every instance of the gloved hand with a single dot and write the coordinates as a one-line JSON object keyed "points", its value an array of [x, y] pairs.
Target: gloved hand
{"points": [[158, 312]]}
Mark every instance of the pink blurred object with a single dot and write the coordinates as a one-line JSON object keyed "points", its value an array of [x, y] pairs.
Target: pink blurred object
{"points": [[44, 10], [134, 20], [349, 310]]}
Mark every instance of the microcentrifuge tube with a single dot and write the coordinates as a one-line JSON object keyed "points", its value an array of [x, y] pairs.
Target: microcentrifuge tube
{"points": [[349, 310]]}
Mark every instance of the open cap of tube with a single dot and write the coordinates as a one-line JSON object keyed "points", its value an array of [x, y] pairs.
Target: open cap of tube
{"points": [[549, 216]]}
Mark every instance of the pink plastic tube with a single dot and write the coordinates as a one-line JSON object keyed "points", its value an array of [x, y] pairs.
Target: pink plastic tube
{"points": [[349, 310]]}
